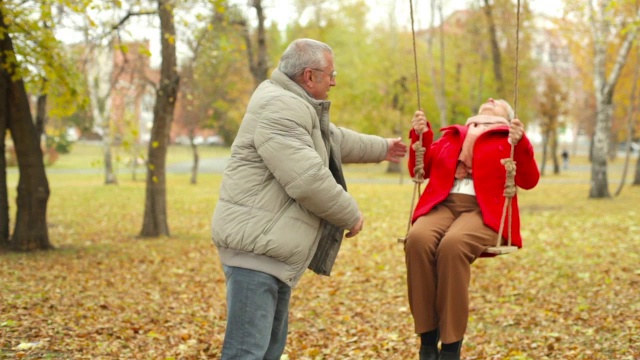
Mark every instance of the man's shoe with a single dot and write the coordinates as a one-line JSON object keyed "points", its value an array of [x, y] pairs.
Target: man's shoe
{"points": [[428, 353], [448, 356]]}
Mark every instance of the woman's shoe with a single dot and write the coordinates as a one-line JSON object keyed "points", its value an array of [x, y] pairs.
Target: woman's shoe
{"points": [[448, 356], [428, 353]]}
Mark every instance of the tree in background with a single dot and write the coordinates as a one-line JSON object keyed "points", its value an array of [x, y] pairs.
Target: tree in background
{"points": [[604, 85], [367, 76], [32, 58], [551, 107], [155, 221], [438, 78], [99, 73], [215, 84], [631, 123], [511, 44], [496, 55], [30, 231], [258, 61]]}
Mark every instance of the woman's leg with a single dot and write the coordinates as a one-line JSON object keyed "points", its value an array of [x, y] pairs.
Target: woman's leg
{"points": [[420, 250], [465, 240]]}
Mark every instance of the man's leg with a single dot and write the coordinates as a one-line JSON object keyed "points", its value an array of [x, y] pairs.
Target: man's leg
{"points": [[252, 307], [280, 323]]}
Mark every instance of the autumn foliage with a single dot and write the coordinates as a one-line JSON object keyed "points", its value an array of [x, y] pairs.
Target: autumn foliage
{"points": [[103, 293]]}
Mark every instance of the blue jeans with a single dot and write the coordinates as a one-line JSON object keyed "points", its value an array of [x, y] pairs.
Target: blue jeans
{"points": [[257, 315]]}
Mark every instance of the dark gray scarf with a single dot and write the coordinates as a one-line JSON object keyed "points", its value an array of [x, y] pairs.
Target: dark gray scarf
{"points": [[331, 238]]}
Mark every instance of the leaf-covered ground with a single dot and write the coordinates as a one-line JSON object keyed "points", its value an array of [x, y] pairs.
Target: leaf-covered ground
{"points": [[571, 293]]}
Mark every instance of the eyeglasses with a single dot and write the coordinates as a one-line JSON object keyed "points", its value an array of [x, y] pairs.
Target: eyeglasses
{"points": [[332, 75]]}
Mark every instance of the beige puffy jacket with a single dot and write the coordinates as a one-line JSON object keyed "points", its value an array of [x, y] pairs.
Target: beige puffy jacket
{"points": [[277, 186]]}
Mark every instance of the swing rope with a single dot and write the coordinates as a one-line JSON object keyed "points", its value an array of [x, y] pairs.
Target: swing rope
{"points": [[418, 170], [509, 164], [510, 189]]}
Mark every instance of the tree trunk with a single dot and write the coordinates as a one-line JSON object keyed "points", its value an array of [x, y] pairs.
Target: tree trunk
{"points": [[636, 178], [109, 174], [41, 113], [625, 168], [398, 103], [545, 147], [495, 50], [4, 192], [259, 65], [599, 180], [630, 123], [99, 75], [604, 87], [438, 86], [196, 161], [554, 150], [30, 232], [155, 210], [134, 165]]}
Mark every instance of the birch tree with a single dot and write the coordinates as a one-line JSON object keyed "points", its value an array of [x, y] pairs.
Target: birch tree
{"points": [[602, 26], [99, 67]]}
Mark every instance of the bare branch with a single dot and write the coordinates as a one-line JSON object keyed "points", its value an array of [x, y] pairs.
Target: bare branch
{"points": [[131, 14]]}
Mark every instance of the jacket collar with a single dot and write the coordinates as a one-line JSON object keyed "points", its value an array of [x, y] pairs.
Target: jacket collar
{"points": [[460, 129], [286, 83]]}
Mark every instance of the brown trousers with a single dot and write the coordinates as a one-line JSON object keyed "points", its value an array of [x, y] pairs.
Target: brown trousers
{"points": [[440, 248]]}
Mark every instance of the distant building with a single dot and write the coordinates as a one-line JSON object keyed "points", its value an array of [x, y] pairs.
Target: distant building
{"points": [[131, 90], [133, 94]]}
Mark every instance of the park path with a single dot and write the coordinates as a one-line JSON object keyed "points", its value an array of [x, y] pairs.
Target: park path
{"points": [[217, 165]]}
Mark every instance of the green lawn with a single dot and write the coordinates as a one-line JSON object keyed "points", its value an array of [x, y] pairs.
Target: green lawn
{"points": [[104, 293], [89, 155]]}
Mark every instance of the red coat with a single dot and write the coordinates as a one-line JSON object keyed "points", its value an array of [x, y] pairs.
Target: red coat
{"points": [[489, 174]]}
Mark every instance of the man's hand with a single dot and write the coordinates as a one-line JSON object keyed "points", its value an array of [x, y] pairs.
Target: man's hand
{"points": [[356, 228], [396, 150]]}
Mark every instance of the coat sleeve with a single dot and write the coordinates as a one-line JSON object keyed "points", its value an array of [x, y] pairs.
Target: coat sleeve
{"points": [[283, 140], [527, 172], [359, 148]]}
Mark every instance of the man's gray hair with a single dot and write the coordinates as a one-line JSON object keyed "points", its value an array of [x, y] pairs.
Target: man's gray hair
{"points": [[510, 113], [302, 54]]}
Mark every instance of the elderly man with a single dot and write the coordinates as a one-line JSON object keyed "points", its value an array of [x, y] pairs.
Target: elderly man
{"points": [[283, 202]]}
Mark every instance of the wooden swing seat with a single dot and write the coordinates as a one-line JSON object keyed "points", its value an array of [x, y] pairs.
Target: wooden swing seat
{"points": [[500, 250], [494, 250]]}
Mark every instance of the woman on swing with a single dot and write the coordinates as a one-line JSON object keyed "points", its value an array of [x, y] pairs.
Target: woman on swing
{"points": [[458, 217]]}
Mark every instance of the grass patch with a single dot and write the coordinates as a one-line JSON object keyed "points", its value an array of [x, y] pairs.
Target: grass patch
{"points": [[89, 155]]}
